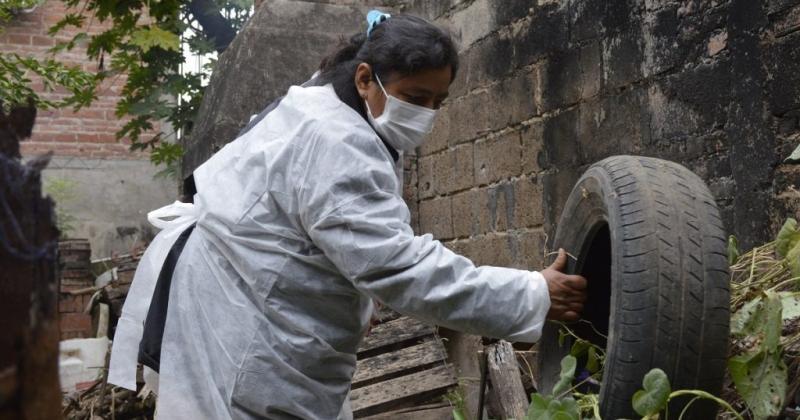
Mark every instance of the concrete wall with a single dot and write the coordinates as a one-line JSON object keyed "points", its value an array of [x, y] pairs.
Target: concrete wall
{"points": [[282, 45], [546, 88], [109, 200]]}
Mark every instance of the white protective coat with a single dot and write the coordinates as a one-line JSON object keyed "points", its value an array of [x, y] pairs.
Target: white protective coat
{"points": [[301, 223]]}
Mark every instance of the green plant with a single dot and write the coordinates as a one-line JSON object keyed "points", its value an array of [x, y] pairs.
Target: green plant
{"points": [[765, 325], [656, 394], [565, 403], [765, 334], [456, 399], [62, 191], [142, 44], [595, 356]]}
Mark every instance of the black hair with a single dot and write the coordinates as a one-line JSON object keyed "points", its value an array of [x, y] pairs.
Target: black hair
{"points": [[402, 44]]}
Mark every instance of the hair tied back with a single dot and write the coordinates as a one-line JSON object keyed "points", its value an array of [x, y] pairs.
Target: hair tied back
{"points": [[374, 18]]}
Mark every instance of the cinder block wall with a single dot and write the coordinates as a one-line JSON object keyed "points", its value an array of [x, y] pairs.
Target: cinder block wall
{"points": [[548, 87]]}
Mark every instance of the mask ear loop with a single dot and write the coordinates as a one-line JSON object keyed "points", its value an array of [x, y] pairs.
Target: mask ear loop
{"points": [[381, 85]]}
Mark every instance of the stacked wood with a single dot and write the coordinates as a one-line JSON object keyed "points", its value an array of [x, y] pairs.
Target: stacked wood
{"points": [[74, 260], [82, 296], [29, 386], [402, 365]]}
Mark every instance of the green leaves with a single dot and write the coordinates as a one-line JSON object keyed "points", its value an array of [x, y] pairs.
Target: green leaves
{"points": [[15, 80], [594, 355], [788, 237], [788, 245], [733, 250], [746, 320], [555, 406], [550, 408], [156, 93], [153, 36], [760, 374], [568, 364], [653, 398], [760, 378], [790, 303]]}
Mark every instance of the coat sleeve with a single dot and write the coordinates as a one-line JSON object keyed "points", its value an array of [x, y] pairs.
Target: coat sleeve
{"points": [[353, 214]]}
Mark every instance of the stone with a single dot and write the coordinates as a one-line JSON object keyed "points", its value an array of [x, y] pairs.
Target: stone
{"points": [[436, 217], [498, 158], [717, 43]]}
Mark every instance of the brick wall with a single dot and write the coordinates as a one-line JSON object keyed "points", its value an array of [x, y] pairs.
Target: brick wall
{"points": [[111, 188], [87, 133], [74, 275], [546, 88]]}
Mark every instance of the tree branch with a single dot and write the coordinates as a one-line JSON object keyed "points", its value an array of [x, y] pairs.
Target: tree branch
{"points": [[216, 28]]}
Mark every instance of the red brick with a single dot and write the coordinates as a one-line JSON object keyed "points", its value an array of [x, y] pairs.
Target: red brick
{"points": [[62, 137], [45, 41], [68, 303], [76, 323], [19, 39], [64, 132]]}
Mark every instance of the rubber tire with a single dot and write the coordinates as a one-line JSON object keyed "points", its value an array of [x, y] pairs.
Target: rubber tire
{"points": [[649, 239]]}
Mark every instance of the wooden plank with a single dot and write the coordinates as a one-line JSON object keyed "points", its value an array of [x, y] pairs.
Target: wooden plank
{"points": [[440, 412], [384, 314], [402, 391], [390, 365], [507, 388], [393, 335]]}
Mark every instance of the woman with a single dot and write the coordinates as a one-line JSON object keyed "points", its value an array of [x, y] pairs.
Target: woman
{"points": [[301, 224]]}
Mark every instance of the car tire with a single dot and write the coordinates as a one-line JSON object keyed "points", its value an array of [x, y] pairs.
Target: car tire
{"points": [[647, 235]]}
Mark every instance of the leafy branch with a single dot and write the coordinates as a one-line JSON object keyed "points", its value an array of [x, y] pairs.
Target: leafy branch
{"points": [[142, 43]]}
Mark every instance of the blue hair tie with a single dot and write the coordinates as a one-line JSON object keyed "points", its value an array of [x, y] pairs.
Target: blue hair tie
{"points": [[374, 18]]}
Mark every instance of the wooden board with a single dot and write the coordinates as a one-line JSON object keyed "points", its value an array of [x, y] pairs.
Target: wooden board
{"points": [[384, 396], [384, 314], [439, 412], [507, 387], [396, 363], [393, 335]]}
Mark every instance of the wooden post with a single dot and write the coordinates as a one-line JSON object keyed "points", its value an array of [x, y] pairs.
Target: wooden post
{"points": [[507, 389], [29, 387]]}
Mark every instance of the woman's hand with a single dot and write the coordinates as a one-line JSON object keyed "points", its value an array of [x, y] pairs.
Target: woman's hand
{"points": [[567, 292]]}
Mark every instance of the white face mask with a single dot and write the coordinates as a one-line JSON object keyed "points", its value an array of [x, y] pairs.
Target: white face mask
{"points": [[403, 125]]}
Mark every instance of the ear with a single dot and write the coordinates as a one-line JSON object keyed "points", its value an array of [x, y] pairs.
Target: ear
{"points": [[363, 78]]}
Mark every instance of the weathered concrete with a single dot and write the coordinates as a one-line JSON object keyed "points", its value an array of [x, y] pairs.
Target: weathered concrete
{"points": [[714, 86], [109, 200], [549, 87], [281, 45]]}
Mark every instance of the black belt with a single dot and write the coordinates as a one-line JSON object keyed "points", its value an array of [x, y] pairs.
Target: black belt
{"points": [[150, 346]]}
